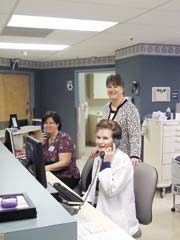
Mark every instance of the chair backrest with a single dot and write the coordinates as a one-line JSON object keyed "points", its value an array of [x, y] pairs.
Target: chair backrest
{"points": [[86, 176], [145, 182]]}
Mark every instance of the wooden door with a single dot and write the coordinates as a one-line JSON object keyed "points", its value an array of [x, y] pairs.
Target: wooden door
{"points": [[14, 96]]}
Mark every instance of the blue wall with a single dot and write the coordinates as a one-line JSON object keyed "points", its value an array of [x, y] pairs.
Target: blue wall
{"points": [[51, 94], [150, 71]]}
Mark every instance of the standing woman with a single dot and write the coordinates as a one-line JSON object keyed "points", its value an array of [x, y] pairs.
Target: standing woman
{"points": [[58, 150], [126, 114]]}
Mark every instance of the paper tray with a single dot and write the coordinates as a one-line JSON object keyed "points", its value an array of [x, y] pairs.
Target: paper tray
{"points": [[25, 208]]}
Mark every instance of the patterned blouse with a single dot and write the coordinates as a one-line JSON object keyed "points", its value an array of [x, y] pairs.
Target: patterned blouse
{"points": [[127, 116], [62, 144]]}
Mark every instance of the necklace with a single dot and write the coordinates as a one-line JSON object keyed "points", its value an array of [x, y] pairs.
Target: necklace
{"points": [[112, 112], [114, 106], [52, 140]]}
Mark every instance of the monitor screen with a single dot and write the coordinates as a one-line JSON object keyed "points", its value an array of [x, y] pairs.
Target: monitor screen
{"points": [[8, 141], [34, 157], [13, 121], [14, 142]]}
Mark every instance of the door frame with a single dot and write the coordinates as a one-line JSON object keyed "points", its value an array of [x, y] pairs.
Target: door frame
{"points": [[80, 107]]}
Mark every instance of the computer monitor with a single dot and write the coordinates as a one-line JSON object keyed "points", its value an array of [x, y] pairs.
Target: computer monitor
{"points": [[8, 141], [14, 142], [13, 121], [34, 157]]}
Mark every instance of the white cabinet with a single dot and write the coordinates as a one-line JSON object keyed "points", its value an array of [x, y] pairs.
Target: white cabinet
{"points": [[96, 85], [161, 143]]}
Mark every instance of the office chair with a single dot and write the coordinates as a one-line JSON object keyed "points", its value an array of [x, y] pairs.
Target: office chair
{"points": [[85, 178], [145, 182]]}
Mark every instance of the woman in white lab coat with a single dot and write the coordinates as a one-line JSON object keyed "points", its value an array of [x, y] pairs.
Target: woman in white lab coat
{"points": [[112, 187]]}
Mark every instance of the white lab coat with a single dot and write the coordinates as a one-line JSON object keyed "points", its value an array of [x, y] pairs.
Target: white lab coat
{"points": [[116, 191]]}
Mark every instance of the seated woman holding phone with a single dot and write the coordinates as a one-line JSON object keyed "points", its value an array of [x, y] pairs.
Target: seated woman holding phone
{"points": [[112, 188], [58, 150]]}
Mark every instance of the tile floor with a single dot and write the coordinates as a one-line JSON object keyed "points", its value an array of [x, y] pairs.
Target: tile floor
{"points": [[165, 224]]}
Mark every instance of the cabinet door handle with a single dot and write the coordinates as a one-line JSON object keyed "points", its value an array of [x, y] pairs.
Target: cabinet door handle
{"points": [[171, 124]]}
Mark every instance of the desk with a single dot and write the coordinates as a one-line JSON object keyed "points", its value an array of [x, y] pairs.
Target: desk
{"points": [[89, 214], [23, 131], [52, 222], [37, 121], [30, 128], [2, 135], [16, 138]]}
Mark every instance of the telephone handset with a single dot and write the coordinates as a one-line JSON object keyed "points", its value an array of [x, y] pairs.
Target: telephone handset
{"points": [[117, 142]]}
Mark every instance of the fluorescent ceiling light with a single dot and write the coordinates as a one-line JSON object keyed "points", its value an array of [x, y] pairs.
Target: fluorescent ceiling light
{"points": [[59, 23], [27, 46]]}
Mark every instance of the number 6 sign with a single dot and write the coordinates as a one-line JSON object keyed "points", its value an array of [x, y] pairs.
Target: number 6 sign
{"points": [[69, 85]]}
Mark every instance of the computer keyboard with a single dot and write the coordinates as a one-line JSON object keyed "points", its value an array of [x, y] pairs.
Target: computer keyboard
{"points": [[66, 196], [93, 231], [24, 161], [87, 228]]}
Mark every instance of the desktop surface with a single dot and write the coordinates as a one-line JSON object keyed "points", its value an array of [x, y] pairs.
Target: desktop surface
{"points": [[52, 219], [23, 130], [92, 224]]}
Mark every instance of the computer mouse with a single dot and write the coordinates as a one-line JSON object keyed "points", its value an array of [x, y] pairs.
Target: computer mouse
{"points": [[177, 158], [56, 184]]}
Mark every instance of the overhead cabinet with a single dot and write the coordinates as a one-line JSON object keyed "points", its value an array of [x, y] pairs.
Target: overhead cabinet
{"points": [[91, 132], [96, 85]]}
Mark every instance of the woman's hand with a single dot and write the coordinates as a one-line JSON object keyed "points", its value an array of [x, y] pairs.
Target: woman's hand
{"points": [[94, 152], [135, 161], [43, 138], [109, 153], [47, 168]]}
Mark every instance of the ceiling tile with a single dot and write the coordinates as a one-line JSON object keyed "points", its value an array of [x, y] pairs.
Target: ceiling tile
{"points": [[140, 21]]}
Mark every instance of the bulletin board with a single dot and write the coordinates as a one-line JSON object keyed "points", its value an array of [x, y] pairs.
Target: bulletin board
{"points": [[14, 96], [161, 94]]}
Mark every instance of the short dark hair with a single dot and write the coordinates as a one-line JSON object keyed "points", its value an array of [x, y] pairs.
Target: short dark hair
{"points": [[112, 125], [115, 80], [54, 115]]}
